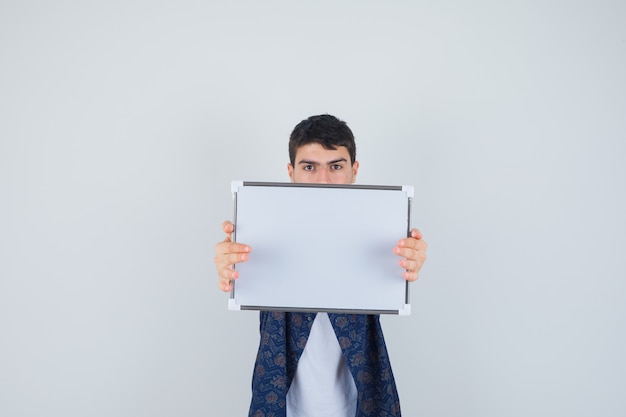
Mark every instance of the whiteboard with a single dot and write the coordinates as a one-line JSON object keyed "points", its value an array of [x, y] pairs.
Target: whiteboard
{"points": [[321, 247]]}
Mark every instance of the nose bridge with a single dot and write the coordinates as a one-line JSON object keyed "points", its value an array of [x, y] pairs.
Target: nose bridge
{"points": [[324, 175]]}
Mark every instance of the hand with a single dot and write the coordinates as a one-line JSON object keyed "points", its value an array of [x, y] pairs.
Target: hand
{"points": [[413, 250], [227, 254]]}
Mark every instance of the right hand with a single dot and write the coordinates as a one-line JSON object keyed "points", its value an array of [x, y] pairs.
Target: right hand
{"points": [[227, 254]]}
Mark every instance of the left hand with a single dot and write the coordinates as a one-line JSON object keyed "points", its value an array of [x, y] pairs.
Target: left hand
{"points": [[413, 250]]}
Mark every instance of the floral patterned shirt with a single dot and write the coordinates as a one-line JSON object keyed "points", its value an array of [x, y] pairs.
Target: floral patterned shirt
{"points": [[283, 338]]}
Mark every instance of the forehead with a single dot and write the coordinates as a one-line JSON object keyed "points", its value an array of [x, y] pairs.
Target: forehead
{"points": [[316, 152]]}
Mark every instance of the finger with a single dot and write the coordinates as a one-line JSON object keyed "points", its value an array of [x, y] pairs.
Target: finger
{"points": [[225, 285], [409, 265], [225, 262], [415, 234], [413, 243], [408, 253], [228, 227], [239, 248], [234, 258], [228, 247], [414, 259], [410, 276], [227, 273], [412, 265]]}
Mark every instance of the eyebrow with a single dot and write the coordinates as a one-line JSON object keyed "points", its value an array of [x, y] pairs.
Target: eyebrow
{"points": [[334, 161]]}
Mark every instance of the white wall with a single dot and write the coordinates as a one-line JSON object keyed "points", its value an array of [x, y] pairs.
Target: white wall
{"points": [[122, 124]]}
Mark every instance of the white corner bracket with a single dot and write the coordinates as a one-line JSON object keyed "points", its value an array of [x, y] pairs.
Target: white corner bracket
{"points": [[233, 305], [234, 185], [406, 311]]}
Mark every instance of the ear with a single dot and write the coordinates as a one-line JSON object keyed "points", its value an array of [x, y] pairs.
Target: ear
{"points": [[290, 171], [355, 170]]}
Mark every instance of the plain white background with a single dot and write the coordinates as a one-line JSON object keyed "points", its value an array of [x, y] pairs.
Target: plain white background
{"points": [[122, 124]]}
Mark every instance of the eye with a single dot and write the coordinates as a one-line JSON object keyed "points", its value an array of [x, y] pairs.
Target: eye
{"points": [[307, 167], [336, 167]]}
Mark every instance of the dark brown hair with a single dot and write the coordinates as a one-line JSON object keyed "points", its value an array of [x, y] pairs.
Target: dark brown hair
{"points": [[327, 130]]}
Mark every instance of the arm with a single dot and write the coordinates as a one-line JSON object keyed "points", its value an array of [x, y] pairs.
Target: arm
{"points": [[227, 254], [413, 251]]}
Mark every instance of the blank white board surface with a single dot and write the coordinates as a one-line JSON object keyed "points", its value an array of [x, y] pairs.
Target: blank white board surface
{"points": [[321, 247]]}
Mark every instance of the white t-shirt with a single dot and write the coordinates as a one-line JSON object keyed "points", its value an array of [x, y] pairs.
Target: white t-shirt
{"points": [[322, 385]]}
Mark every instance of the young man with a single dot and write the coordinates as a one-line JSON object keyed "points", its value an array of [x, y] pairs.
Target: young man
{"points": [[321, 365]]}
